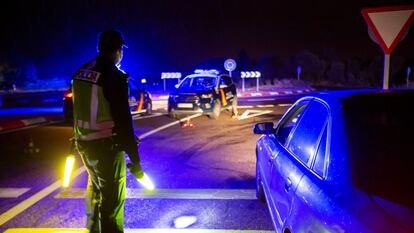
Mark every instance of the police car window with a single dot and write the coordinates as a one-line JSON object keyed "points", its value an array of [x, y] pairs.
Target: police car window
{"points": [[199, 81], [289, 121], [225, 81], [306, 136]]}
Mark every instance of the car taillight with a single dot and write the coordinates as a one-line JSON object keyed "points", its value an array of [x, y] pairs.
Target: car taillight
{"points": [[68, 94]]}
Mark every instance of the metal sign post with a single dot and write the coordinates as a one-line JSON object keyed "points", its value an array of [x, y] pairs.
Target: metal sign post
{"points": [[408, 75], [250, 74], [299, 70], [389, 25], [386, 76]]}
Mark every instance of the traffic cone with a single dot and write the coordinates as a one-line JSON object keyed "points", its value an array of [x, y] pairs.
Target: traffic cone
{"points": [[188, 124], [31, 148]]}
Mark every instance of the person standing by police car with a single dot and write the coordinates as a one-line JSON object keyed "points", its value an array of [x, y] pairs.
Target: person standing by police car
{"points": [[103, 131]]}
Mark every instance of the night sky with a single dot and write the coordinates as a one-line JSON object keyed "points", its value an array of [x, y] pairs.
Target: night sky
{"points": [[58, 36]]}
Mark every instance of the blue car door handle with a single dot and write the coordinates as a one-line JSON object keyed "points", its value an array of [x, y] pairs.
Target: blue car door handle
{"points": [[288, 185]]}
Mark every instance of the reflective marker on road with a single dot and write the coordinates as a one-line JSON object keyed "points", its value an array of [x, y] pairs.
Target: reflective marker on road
{"points": [[12, 192], [162, 230], [206, 194]]}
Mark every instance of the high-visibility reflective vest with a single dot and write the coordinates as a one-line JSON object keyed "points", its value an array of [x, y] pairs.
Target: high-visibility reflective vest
{"points": [[91, 112]]}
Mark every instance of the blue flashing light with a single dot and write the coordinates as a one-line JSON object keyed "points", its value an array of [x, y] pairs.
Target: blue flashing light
{"points": [[201, 71]]}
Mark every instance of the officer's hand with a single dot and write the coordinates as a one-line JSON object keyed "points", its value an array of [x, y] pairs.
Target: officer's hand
{"points": [[136, 170]]}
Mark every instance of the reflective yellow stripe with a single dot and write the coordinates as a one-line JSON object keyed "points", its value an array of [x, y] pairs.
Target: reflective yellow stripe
{"points": [[96, 126], [141, 102], [94, 136], [223, 98]]}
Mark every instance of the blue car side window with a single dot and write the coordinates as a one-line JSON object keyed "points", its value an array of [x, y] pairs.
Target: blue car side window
{"points": [[305, 138], [319, 166], [289, 122]]}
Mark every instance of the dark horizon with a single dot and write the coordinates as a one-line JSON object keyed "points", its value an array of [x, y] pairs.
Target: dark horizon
{"points": [[176, 36]]}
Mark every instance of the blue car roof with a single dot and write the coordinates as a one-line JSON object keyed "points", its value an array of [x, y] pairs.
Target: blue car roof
{"points": [[346, 94]]}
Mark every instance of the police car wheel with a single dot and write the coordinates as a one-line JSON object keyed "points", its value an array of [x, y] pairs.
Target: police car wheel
{"points": [[216, 110]]}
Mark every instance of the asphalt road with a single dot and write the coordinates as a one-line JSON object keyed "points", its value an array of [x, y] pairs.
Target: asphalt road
{"points": [[204, 176]]}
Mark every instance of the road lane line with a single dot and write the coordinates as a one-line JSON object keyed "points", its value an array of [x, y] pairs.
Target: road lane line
{"points": [[284, 105], [258, 100], [138, 117], [245, 106], [168, 125], [246, 115], [196, 194], [265, 106], [22, 206], [12, 192], [143, 230]]}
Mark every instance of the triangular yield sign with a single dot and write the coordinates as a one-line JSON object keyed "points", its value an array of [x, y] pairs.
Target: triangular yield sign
{"points": [[389, 24]]}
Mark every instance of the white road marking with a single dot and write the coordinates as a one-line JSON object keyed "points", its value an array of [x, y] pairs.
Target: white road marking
{"points": [[13, 212], [197, 194], [247, 106], [30, 127], [168, 125], [258, 100], [143, 230], [274, 93], [284, 105], [22, 206], [265, 106], [133, 113], [246, 115], [12, 192], [138, 117], [33, 121]]}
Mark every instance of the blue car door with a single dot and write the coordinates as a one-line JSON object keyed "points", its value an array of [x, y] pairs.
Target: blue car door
{"points": [[296, 158], [283, 130]]}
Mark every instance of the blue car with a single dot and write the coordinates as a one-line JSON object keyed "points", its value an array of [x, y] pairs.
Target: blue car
{"points": [[340, 161]]}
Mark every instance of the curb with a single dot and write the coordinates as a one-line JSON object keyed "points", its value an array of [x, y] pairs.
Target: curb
{"points": [[22, 123], [250, 94], [273, 93]]}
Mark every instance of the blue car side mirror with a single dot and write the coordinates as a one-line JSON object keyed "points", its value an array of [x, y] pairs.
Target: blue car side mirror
{"points": [[264, 128]]}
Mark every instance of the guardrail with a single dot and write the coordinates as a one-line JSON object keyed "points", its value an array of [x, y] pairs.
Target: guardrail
{"points": [[31, 99]]}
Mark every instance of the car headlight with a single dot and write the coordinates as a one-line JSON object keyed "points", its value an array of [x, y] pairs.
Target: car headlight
{"points": [[205, 96]]}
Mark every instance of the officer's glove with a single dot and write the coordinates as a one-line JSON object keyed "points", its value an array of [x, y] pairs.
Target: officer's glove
{"points": [[136, 170]]}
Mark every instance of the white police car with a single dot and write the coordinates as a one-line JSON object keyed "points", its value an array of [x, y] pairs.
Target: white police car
{"points": [[206, 91]]}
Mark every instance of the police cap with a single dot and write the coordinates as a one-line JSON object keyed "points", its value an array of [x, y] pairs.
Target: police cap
{"points": [[110, 41]]}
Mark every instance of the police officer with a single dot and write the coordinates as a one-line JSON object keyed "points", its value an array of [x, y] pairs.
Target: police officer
{"points": [[103, 130]]}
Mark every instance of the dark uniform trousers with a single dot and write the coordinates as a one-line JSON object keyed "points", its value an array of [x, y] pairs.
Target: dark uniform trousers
{"points": [[105, 194]]}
